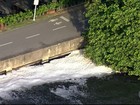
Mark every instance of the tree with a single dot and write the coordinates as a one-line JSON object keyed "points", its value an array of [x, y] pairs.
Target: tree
{"points": [[114, 33]]}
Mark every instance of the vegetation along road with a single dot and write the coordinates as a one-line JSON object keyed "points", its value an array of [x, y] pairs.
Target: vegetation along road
{"points": [[38, 35]]}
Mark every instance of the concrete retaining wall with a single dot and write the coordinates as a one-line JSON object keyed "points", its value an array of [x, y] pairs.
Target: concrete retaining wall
{"points": [[41, 54]]}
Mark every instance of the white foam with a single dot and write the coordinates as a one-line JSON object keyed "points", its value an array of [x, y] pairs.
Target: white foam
{"points": [[71, 92], [73, 66]]}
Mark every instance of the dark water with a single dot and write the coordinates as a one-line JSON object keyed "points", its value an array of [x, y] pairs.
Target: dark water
{"points": [[112, 89]]}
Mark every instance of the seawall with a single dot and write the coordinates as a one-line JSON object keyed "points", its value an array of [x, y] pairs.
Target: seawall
{"points": [[43, 55]]}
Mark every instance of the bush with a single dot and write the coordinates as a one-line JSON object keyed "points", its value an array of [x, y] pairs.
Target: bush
{"points": [[16, 18], [113, 36], [1, 20], [68, 3], [53, 6], [41, 10]]}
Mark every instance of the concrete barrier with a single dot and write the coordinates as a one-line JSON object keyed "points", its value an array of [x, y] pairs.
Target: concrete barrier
{"points": [[41, 54]]}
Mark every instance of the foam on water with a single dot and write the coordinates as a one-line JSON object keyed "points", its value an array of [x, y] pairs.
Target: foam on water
{"points": [[72, 91], [72, 66]]}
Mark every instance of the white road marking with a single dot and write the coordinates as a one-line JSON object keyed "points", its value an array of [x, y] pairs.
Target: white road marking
{"points": [[64, 18], [32, 36], [53, 20], [5, 44], [57, 23], [59, 28]]}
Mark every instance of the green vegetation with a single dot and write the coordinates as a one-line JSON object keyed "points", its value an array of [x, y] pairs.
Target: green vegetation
{"points": [[67, 3], [21, 17], [113, 37], [17, 18], [24, 16]]}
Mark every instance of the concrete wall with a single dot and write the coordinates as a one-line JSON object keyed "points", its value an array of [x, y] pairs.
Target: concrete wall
{"points": [[41, 54]]}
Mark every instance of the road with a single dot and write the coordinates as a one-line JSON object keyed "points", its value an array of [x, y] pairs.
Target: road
{"points": [[39, 35]]}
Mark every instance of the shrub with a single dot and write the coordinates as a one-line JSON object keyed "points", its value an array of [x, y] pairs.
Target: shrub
{"points": [[16, 18], [41, 10], [113, 36], [53, 5], [1, 20], [67, 3], [1, 23]]}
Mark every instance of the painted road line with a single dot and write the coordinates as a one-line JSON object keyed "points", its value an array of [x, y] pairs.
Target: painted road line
{"points": [[53, 20], [5, 44], [57, 23], [59, 28], [64, 18], [32, 36]]}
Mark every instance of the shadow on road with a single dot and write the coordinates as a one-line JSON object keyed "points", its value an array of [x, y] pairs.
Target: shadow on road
{"points": [[78, 19]]}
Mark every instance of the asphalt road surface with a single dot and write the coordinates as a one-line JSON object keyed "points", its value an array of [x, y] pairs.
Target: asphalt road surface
{"points": [[45, 33]]}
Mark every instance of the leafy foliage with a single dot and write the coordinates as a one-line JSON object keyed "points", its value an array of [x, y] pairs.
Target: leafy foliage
{"points": [[16, 18], [113, 37], [67, 3], [1, 20], [41, 10]]}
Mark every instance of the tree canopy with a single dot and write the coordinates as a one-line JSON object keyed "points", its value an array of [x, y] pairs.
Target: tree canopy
{"points": [[113, 36]]}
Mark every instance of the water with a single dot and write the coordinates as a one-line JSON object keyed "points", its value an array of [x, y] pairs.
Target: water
{"points": [[72, 79]]}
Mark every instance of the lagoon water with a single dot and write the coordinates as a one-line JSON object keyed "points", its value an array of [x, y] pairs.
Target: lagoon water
{"points": [[73, 79]]}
